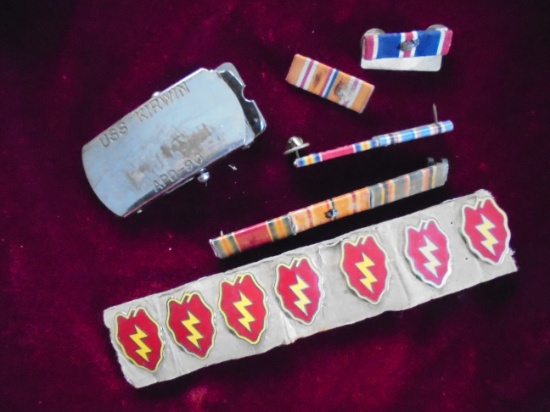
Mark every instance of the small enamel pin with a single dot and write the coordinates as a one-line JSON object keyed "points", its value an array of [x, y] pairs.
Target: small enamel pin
{"points": [[191, 322], [415, 50], [364, 264], [298, 287], [428, 252], [139, 337], [171, 139], [243, 305], [485, 228]]}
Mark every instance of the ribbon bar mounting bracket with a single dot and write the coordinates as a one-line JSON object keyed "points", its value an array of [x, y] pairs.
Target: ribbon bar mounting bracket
{"points": [[171, 139]]}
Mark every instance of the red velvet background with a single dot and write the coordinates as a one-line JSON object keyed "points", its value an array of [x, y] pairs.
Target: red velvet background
{"points": [[70, 69]]}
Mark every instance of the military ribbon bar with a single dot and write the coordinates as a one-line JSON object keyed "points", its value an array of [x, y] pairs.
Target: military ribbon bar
{"points": [[331, 209], [329, 83], [419, 50], [426, 43], [377, 141]]}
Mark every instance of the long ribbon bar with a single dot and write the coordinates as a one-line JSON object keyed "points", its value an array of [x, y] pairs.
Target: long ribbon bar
{"points": [[323, 212], [377, 141]]}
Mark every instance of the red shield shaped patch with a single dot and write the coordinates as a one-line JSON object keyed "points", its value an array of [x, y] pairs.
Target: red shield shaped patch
{"points": [[428, 252], [139, 337], [191, 322], [364, 265], [298, 288], [243, 306], [485, 228]]}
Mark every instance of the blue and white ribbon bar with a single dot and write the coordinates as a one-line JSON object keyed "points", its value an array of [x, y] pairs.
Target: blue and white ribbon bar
{"points": [[415, 50]]}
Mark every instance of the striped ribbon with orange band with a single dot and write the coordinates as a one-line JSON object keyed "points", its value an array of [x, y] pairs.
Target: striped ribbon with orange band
{"points": [[329, 83], [335, 208]]}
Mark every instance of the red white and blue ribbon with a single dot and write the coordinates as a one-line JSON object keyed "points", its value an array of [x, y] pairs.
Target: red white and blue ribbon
{"points": [[426, 43], [377, 141]]}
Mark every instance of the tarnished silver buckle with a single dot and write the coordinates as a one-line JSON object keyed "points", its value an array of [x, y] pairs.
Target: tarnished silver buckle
{"points": [[171, 139]]}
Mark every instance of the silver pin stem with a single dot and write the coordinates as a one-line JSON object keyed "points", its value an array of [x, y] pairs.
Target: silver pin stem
{"points": [[435, 113]]}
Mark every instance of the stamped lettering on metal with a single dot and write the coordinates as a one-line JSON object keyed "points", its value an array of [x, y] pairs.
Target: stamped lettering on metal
{"points": [[171, 139]]}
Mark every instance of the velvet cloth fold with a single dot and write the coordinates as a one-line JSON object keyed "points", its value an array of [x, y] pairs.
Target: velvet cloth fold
{"points": [[70, 69]]}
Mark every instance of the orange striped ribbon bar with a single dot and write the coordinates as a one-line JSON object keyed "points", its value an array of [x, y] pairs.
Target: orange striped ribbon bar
{"points": [[335, 208], [329, 83]]}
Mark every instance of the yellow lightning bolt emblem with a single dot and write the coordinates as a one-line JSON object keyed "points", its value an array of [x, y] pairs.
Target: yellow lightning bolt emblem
{"points": [[485, 229], [364, 266], [189, 324], [432, 262], [241, 307], [138, 340], [298, 290]]}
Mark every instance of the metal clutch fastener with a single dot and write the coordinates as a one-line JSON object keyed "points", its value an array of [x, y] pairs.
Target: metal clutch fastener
{"points": [[171, 139]]}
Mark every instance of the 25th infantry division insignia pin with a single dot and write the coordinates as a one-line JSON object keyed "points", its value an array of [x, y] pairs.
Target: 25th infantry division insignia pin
{"points": [[485, 228]]}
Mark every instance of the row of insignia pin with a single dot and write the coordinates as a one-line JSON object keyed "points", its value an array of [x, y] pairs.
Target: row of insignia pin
{"points": [[364, 264]]}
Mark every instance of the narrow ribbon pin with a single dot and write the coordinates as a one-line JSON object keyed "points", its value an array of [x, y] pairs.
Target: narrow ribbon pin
{"points": [[329, 83], [323, 212], [376, 142]]}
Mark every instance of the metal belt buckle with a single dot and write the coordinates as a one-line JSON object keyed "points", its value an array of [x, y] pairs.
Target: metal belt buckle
{"points": [[171, 139]]}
